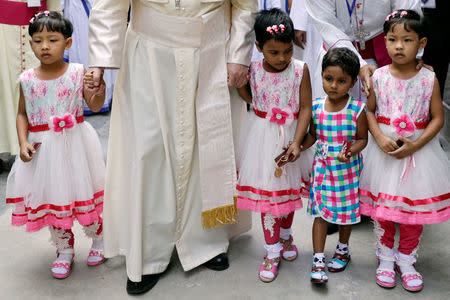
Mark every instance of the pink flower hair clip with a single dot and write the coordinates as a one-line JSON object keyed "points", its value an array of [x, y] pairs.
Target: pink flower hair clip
{"points": [[32, 20], [388, 17], [274, 29], [403, 13]]}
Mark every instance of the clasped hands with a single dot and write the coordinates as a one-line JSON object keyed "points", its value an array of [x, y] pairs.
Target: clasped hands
{"points": [[392, 148], [93, 80]]}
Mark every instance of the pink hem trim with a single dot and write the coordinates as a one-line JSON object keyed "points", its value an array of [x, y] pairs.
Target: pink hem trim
{"points": [[49, 219], [280, 193], [265, 206], [408, 201], [404, 217]]}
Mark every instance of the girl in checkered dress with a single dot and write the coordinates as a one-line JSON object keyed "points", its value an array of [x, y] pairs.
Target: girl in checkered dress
{"points": [[339, 126]]}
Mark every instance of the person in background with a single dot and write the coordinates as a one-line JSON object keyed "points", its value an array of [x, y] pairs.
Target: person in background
{"points": [[437, 28], [78, 13], [357, 25]]}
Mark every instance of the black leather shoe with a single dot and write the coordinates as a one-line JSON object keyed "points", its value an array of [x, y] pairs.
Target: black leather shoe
{"points": [[143, 286], [332, 228], [218, 263]]}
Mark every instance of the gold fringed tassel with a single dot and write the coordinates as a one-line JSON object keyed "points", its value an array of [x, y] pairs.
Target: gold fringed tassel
{"points": [[220, 216]]}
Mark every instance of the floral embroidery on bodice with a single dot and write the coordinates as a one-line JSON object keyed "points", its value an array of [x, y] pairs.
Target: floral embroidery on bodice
{"points": [[279, 90], [55, 97], [403, 96]]}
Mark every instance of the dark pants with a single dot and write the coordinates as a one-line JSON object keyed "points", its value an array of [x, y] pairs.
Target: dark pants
{"points": [[437, 51]]}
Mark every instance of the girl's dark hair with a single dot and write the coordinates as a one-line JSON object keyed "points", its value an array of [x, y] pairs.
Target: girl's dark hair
{"points": [[344, 58], [275, 16], [409, 18], [54, 21]]}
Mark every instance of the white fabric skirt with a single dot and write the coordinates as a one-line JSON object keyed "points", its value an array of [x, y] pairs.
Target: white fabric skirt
{"points": [[258, 188], [390, 192], [64, 180]]}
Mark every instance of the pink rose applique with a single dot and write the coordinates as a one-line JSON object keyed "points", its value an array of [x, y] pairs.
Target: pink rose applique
{"points": [[403, 125], [279, 116], [60, 123]]}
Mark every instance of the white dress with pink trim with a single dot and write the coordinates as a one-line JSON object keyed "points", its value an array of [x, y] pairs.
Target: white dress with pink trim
{"points": [[65, 179], [415, 189], [270, 126]]}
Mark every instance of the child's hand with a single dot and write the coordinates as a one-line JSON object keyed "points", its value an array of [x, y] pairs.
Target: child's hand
{"points": [[387, 144], [405, 150], [293, 151], [26, 151], [89, 84], [93, 77], [343, 157], [98, 90]]}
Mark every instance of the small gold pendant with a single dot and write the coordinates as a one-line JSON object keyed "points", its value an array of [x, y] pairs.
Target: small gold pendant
{"points": [[278, 172]]}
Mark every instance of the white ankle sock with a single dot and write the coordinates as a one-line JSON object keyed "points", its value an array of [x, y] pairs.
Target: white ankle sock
{"points": [[342, 248], [386, 264], [62, 257], [97, 244], [319, 259], [405, 262], [273, 251], [285, 233]]}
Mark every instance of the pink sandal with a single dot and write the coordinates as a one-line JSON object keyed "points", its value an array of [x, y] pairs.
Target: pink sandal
{"points": [[271, 266], [95, 253], [386, 273], [407, 277], [288, 246], [65, 264]]}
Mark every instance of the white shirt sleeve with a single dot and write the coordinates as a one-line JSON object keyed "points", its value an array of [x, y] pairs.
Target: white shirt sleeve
{"points": [[328, 25], [407, 4], [299, 15]]}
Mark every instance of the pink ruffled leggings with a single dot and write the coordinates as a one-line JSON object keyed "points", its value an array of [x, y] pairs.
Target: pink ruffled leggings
{"points": [[66, 234], [409, 236], [271, 226]]}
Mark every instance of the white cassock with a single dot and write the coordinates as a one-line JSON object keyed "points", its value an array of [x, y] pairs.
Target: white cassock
{"points": [[334, 23], [170, 161]]}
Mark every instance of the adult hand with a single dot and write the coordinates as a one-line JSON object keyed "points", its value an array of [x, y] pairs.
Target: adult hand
{"points": [[300, 38], [365, 73], [237, 75], [96, 75], [420, 64]]}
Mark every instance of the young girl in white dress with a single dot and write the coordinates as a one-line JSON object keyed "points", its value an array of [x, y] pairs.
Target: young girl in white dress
{"points": [[280, 95], [406, 177], [59, 175]]}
